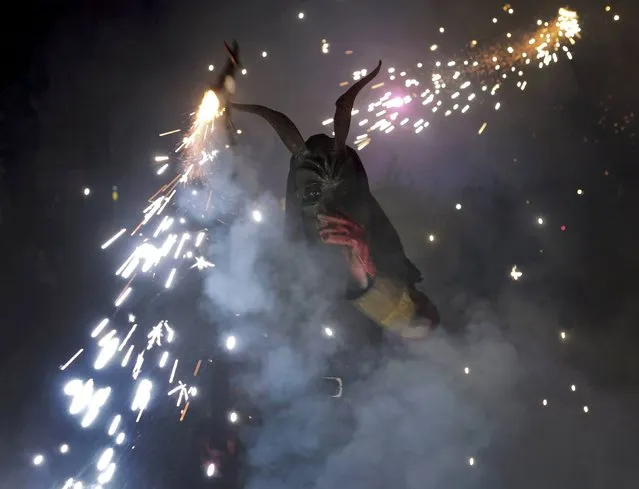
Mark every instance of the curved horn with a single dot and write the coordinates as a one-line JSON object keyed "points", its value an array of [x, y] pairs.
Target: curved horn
{"points": [[344, 106], [286, 130]]}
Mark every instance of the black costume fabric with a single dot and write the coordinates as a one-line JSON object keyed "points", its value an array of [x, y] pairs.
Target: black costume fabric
{"points": [[327, 177]]}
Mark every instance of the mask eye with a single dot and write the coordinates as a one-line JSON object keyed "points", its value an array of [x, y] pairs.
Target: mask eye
{"points": [[311, 196]]}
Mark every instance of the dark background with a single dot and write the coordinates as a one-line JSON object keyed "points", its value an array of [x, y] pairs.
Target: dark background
{"points": [[87, 87]]}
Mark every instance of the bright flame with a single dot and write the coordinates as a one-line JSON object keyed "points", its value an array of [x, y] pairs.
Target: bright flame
{"points": [[208, 110], [205, 116]]}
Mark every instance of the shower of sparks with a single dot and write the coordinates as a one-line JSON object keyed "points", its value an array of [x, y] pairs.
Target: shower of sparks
{"points": [[158, 244], [413, 98], [161, 247]]}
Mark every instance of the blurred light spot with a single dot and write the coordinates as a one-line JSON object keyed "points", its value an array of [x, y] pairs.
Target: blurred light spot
{"points": [[515, 273]]}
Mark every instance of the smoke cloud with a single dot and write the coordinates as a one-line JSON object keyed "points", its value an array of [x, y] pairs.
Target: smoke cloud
{"points": [[486, 402]]}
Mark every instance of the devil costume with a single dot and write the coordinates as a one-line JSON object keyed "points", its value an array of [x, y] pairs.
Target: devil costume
{"points": [[328, 200]]}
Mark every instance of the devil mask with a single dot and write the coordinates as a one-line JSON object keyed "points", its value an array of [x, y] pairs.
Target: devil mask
{"points": [[327, 177]]}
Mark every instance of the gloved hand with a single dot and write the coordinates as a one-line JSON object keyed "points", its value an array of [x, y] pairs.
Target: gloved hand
{"points": [[338, 230], [426, 320]]}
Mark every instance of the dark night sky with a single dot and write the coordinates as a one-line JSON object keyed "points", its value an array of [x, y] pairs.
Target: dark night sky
{"points": [[87, 87]]}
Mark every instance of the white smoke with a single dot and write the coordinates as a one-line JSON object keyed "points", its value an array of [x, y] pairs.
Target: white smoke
{"points": [[464, 410]]}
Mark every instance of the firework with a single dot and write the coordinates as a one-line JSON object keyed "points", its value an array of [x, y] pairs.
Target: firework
{"points": [[164, 248], [413, 98]]}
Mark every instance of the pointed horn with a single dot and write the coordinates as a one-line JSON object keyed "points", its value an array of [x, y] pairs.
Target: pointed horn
{"points": [[344, 106], [286, 130], [233, 52]]}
